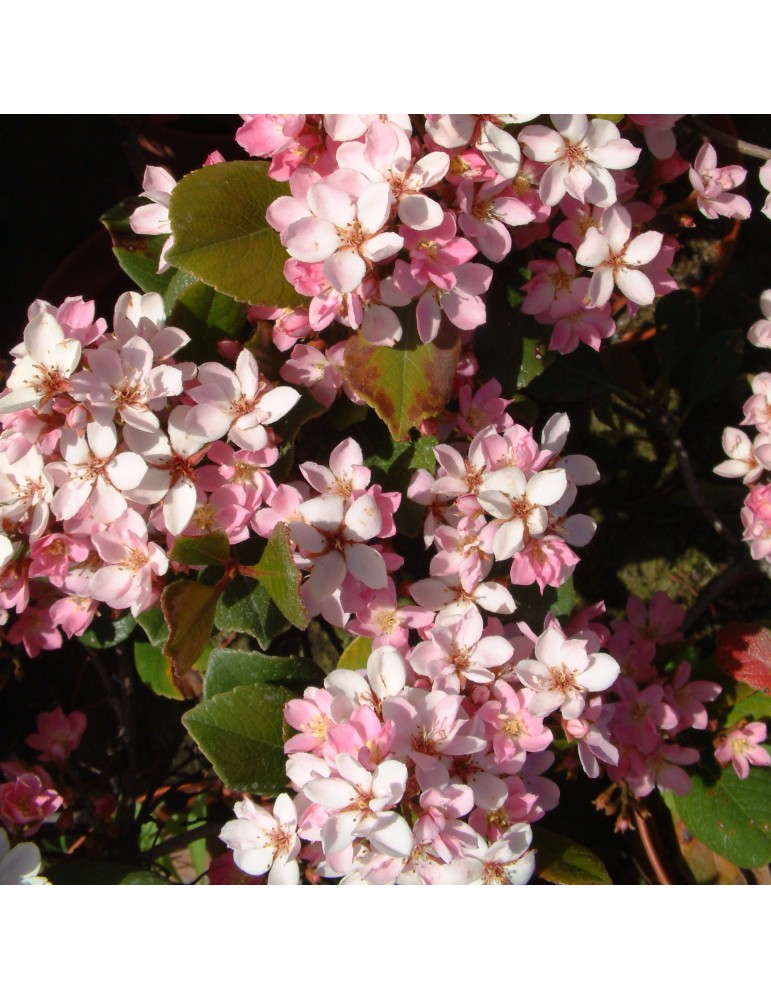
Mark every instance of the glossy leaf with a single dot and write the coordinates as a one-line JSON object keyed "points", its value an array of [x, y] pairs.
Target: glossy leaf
{"points": [[393, 464], [221, 236], [407, 383], [189, 609], [208, 317], [510, 346], [356, 654], [278, 574], [564, 862], [156, 671], [246, 606], [730, 815], [137, 255], [154, 625], [201, 550], [241, 733], [230, 668], [106, 631]]}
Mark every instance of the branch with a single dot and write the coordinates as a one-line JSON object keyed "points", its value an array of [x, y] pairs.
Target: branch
{"points": [[732, 142]]}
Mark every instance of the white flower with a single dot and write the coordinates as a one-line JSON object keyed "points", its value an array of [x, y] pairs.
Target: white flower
{"points": [[19, 865], [260, 841]]}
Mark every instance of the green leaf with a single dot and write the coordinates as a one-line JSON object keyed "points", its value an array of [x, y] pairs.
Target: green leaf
{"points": [[246, 606], [241, 733], [106, 631], [564, 862], [208, 317], [102, 873], [677, 328], [510, 346], [756, 705], [716, 364], [201, 550], [230, 668], [393, 464], [278, 574], [156, 671], [137, 255], [180, 281], [189, 609], [221, 236], [356, 654], [406, 383], [154, 624], [731, 815], [533, 607]]}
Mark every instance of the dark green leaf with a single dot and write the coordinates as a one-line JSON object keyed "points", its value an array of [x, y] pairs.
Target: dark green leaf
{"points": [[511, 346], [406, 383], [137, 255], [154, 624], [230, 668], [221, 236], [201, 550], [245, 606], [533, 607], [106, 631], [177, 285], [278, 574], [208, 317], [730, 815], [241, 733], [560, 860], [189, 608], [393, 464]]}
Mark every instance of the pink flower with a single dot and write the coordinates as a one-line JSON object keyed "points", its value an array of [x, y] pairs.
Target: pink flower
{"points": [[27, 798], [261, 841], [713, 184], [58, 735], [581, 154], [741, 747], [616, 258], [563, 672]]}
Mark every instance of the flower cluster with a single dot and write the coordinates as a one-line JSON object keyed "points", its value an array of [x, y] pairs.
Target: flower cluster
{"points": [[391, 211], [749, 459], [427, 766], [109, 450]]}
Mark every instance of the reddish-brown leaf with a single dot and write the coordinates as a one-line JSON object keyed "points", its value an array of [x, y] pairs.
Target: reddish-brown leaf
{"points": [[744, 652], [407, 383]]}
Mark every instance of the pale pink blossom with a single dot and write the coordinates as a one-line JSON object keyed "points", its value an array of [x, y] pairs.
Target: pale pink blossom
{"points": [[262, 841], [741, 747], [713, 185], [581, 155], [57, 735], [616, 258]]}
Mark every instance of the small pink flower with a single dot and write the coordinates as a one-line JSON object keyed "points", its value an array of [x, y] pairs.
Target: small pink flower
{"points": [[27, 798], [741, 747], [57, 735]]}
